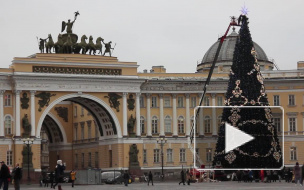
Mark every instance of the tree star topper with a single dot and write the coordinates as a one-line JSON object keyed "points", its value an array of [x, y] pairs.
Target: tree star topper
{"points": [[244, 10]]}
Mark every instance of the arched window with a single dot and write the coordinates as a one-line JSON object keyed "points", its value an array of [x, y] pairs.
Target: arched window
{"points": [[8, 125], [142, 124], [207, 124], [219, 120], [168, 124], [180, 124], [154, 124]]}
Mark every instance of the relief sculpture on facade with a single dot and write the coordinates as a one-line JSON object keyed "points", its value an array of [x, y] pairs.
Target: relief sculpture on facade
{"points": [[45, 98]]}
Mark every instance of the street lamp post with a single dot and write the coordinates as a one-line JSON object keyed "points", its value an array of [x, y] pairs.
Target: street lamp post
{"points": [[28, 143], [162, 141]]}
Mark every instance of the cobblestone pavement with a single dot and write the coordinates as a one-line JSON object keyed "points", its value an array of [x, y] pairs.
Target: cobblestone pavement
{"points": [[175, 186]]}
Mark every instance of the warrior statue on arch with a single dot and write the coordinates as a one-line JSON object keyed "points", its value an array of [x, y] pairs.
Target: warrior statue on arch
{"points": [[69, 25]]}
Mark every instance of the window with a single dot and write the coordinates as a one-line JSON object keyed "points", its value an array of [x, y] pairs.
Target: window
{"points": [[142, 124], [96, 130], [207, 124], [168, 124], [180, 124], [209, 154], [154, 102], [8, 125], [220, 101], [145, 156], [293, 153], [277, 123], [154, 124], [141, 102], [276, 100], [75, 131], [75, 111], [82, 130], [291, 100], [7, 100], [89, 123], [90, 160], [156, 155], [110, 159], [167, 101], [76, 161], [9, 158], [180, 101], [219, 122], [206, 101], [292, 124], [182, 155], [82, 111], [193, 102], [169, 155], [82, 160], [96, 160]]}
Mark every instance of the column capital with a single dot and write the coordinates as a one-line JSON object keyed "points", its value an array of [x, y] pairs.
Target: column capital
{"points": [[124, 94], [2, 92], [187, 95], [33, 92], [199, 95], [148, 95], [174, 95], [213, 95], [161, 95], [138, 94]]}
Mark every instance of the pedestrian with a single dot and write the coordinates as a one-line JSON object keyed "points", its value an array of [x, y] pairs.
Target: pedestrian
{"points": [[59, 171], [73, 177], [302, 176], [52, 179], [126, 178], [188, 175], [17, 175], [150, 178], [250, 176], [41, 179], [45, 180], [275, 176], [4, 175], [182, 178], [297, 174], [262, 175]]}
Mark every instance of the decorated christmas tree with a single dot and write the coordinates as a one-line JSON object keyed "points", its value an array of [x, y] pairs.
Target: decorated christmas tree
{"points": [[246, 88]]}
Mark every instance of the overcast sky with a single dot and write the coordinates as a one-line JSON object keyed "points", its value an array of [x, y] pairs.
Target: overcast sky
{"points": [[175, 34]]}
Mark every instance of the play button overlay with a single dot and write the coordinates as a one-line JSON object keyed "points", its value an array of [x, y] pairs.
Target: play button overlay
{"points": [[235, 138]]}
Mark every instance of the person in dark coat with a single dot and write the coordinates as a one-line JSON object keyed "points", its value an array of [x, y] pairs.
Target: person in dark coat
{"points": [[150, 177], [297, 173], [182, 178], [17, 175], [4, 175], [59, 171], [52, 179], [239, 176], [126, 178]]}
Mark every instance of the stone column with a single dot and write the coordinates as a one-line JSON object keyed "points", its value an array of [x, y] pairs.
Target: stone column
{"points": [[161, 115], [17, 116], [124, 114], [188, 127], [149, 130], [1, 114], [175, 134], [33, 124], [137, 114], [201, 120], [214, 119]]}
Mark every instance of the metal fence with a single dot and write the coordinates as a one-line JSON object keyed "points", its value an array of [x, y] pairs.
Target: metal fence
{"points": [[88, 177]]}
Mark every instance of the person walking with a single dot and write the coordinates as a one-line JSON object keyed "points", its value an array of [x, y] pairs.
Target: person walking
{"points": [[4, 175], [297, 173], [17, 175], [59, 171], [150, 178], [73, 177], [182, 178], [302, 174], [188, 175], [52, 179], [126, 178]]}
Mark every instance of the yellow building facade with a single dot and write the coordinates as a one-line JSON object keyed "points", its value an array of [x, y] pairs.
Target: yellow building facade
{"points": [[79, 108]]}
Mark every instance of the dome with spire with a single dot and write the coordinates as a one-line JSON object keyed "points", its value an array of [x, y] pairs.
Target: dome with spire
{"points": [[225, 57]]}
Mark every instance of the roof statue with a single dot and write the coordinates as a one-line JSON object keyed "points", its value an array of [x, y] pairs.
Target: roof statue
{"points": [[67, 42]]}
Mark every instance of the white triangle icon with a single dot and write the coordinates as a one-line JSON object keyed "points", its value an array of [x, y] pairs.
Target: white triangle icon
{"points": [[235, 138]]}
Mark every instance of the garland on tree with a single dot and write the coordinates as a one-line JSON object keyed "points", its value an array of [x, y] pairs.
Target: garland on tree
{"points": [[246, 88]]}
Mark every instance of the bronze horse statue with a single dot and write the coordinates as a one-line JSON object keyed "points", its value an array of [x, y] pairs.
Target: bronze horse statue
{"points": [[98, 45], [49, 45], [82, 46], [68, 45], [59, 44], [91, 46]]}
